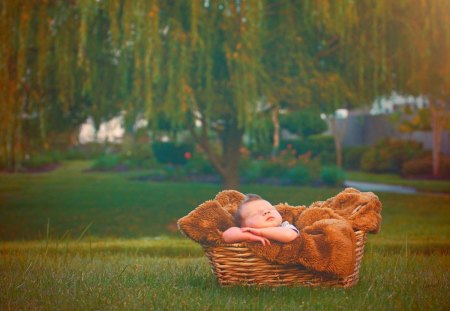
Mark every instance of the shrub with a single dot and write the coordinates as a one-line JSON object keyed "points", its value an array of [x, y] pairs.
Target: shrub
{"points": [[445, 166], [40, 160], [265, 169], [198, 164], [332, 175], [252, 171], [320, 146], [287, 168], [75, 154], [88, 151], [138, 155], [388, 155], [272, 169], [94, 150], [352, 157], [106, 162], [424, 166], [299, 175], [303, 122], [3, 164], [172, 153]]}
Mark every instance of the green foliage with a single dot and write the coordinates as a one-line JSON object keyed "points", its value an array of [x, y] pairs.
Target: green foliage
{"points": [[410, 121], [319, 146], [265, 171], [305, 122], [273, 169], [42, 159], [106, 162], [173, 153], [76, 154], [89, 151], [259, 170], [260, 137], [300, 175], [130, 157], [388, 155], [352, 157], [287, 168], [138, 155], [251, 172], [332, 175], [198, 164]]}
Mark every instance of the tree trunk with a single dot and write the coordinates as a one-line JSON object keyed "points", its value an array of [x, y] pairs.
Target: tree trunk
{"points": [[276, 131], [230, 180], [18, 154], [338, 146], [226, 164], [231, 143], [338, 135], [74, 135], [437, 126]]}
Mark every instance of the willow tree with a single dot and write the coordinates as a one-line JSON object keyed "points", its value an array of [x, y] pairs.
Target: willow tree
{"points": [[40, 79], [286, 60], [195, 63], [419, 46], [15, 95], [387, 46], [207, 65], [37, 78], [214, 75], [332, 54], [350, 58], [204, 65], [56, 66]]}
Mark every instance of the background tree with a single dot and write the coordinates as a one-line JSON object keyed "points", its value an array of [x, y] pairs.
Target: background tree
{"points": [[419, 42], [286, 61], [351, 62], [210, 62], [213, 75], [305, 122]]}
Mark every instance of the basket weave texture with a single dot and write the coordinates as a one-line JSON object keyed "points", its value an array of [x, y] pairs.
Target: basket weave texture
{"points": [[235, 264]]}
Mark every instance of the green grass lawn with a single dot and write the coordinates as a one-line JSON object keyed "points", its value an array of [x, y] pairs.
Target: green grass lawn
{"points": [[32, 277], [76, 241]]}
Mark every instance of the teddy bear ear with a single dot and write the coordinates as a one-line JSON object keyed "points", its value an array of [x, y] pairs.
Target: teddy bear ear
{"points": [[206, 222], [227, 197], [288, 212], [231, 208]]}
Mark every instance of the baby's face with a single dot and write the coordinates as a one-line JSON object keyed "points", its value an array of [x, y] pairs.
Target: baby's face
{"points": [[260, 214]]}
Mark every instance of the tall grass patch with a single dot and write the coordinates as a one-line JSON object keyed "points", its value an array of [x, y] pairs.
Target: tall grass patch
{"points": [[122, 280]]}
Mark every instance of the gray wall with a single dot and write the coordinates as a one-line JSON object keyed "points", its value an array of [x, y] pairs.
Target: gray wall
{"points": [[368, 129]]}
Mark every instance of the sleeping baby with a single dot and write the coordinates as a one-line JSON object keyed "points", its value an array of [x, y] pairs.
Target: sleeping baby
{"points": [[259, 221]]}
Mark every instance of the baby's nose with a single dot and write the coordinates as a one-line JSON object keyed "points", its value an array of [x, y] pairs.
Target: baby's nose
{"points": [[267, 212]]}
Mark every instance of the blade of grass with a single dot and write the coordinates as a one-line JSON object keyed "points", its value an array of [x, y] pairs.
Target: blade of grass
{"points": [[84, 231]]}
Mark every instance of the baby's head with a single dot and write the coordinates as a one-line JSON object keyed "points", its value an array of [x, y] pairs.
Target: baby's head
{"points": [[256, 212]]}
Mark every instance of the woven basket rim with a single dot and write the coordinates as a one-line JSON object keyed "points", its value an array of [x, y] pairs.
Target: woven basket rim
{"points": [[244, 244]]}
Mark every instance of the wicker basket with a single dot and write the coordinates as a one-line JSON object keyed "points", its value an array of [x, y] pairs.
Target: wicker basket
{"points": [[235, 264]]}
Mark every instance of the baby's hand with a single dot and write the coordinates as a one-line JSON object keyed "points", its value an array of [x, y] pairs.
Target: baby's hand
{"points": [[257, 238], [256, 235], [255, 231]]}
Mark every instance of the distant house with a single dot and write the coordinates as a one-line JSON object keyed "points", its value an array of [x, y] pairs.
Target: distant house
{"points": [[367, 126]]}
